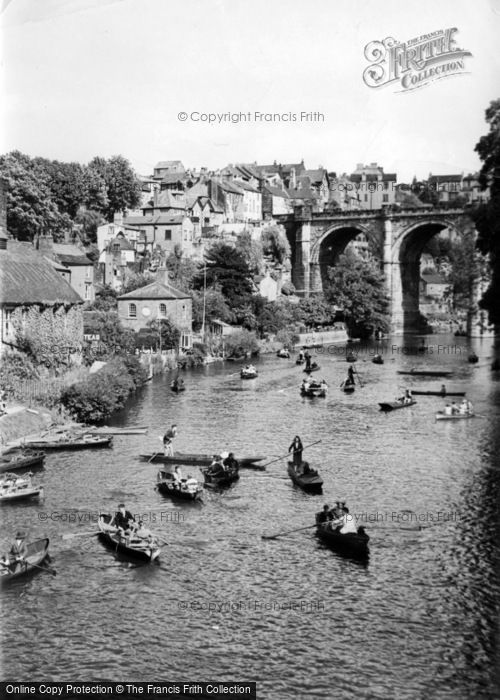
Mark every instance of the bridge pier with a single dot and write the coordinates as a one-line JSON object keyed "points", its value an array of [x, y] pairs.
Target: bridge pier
{"points": [[301, 267]]}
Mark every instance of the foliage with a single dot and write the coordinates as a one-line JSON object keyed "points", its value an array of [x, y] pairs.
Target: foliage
{"points": [[276, 315], [181, 271], [167, 331], [464, 268], [122, 186], [216, 308], [287, 338], [136, 280], [227, 268], [252, 251], [88, 220], [114, 339], [100, 394], [15, 367], [275, 243], [487, 216], [316, 311], [357, 286], [241, 343], [49, 337], [105, 300], [288, 288]]}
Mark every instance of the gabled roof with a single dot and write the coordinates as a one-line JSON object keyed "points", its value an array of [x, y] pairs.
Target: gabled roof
{"points": [[155, 290], [27, 277], [169, 164], [154, 220], [433, 278], [246, 186], [70, 254], [315, 176], [229, 187], [170, 178], [445, 178], [122, 242], [167, 200], [276, 192]]}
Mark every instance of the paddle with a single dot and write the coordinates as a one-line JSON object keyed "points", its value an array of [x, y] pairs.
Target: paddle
{"points": [[48, 569], [152, 458], [287, 532], [283, 457]]}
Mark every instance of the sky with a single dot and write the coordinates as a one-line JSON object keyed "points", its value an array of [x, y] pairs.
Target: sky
{"points": [[81, 78]]}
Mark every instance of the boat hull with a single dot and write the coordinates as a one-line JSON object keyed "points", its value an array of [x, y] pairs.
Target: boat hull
{"points": [[112, 541], [21, 495], [438, 393], [221, 479], [355, 544], [312, 369], [72, 445], [308, 482], [395, 405], [198, 460], [425, 373], [37, 553], [22, 462], [167, 487], [457, 416], [248, 375], [312, 393], [107, 430]]}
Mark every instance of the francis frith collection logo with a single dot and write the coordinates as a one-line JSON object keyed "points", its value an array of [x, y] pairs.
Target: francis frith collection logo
{"points": [[414, 63]]}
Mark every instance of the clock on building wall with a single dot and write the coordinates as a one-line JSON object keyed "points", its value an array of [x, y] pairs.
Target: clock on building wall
{"points": [[146, 311]]}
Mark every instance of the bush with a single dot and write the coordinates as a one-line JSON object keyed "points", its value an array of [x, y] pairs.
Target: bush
{"points": [[242, 343], [16, 367], [100, 394]]}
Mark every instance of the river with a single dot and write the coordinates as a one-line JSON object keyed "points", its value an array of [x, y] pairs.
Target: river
{"points": [[419, 619]]}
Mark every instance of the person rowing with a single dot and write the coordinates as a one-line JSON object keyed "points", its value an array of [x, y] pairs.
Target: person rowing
{"points": [[230, 462], [345, 524], [350, 376], [17, 553], [324, 516], [123, 520]]}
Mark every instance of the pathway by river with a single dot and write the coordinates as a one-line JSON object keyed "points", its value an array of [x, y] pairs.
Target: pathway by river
{"points": [[418, 620]]}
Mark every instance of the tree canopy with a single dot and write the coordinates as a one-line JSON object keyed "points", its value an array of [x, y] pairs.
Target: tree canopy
{"points": [[226, 268]]}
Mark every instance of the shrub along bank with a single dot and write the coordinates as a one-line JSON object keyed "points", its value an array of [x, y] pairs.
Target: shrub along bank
{"points": [[100, 394]]}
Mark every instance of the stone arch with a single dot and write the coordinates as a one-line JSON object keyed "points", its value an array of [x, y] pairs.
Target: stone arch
{"points": [[332, 243], [406, 251]]}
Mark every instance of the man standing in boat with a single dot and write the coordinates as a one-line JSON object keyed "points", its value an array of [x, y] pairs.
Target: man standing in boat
{"points": [[168, 439], [297, 448]]}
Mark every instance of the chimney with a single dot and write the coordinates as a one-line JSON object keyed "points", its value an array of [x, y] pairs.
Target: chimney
{"points": [[45, 245], [155, 196], [293, 181], [118, 218]]}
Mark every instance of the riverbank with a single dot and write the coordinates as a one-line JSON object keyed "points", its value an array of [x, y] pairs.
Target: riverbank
{"points": [[21, 422]]}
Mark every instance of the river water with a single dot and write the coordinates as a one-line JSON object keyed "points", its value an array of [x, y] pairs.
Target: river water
{"points": [[418, 620]]}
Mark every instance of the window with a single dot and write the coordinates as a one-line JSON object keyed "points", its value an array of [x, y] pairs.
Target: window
{"points": [[87, 291], [132, 311], [116, 247], [366, 197], [195, 219], [207, 221], [88, 270], [185, 340], [8, 323], [168, 235], [385, 197], [184, 312], [163, 310]]}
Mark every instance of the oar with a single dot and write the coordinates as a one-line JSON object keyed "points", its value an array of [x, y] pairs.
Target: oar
{"points": [[283, 457], [152, 458], [45, 568], [359, 378], [287, 532], [71, 535]]}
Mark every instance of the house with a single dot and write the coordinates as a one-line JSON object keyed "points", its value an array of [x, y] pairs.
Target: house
{"points": [[118, 255], [28, 279], [154, 302], [374, 188], [222, 329], [75, 262], [275, 201], [167, 167], [472, 190], [447, 187], [252, 201], [433, 285], [318, 181], [229, 197], [163, 231], [205, 215], [166, 202]]}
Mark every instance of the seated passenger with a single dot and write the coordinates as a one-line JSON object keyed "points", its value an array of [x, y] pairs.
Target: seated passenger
{"points": [[447, 410], [324, 515]]}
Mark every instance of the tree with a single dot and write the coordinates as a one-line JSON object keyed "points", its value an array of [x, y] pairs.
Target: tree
{"points": [[275, 243], [168, 332], [88, 220], [357, 286], [316, 311], [216, 308], [114, 339], [66, 181], [487, 216], [136, 280], [252, 252], [123, 189], [228, 269], [181, 270]]}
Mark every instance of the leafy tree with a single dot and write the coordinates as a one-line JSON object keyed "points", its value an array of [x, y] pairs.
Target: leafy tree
{"points": [[275, 243], [66, 182], [487, 216], [316, 311], [216, 308], [168, 332], [357, 286], [122, 186], [240, 343], [181, 271], [252, 251], [105, 300], [88, 220], [114, 339], [227, 268], [134, 280], [275, 316]]}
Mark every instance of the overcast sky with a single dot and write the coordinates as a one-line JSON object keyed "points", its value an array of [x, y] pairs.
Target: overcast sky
{"points": [[101, 77]]}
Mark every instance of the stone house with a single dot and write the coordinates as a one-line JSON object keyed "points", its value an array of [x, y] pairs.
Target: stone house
{"points": [[79, 270], [275, 201], [374, 188], [154, 302]]}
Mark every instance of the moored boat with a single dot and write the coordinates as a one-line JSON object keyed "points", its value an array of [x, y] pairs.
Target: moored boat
{"points": [[177, 385], [22, 460], [441, 415], [248, 373], [109, 430], [18, 488], [394, 405], [140, 549], [84, 442], [283, 353], [308, 479], [199, 460], [38, 552], [187, 489], [216, 476], [378, 360], [443, 394], [350, 542], [312, 368]]}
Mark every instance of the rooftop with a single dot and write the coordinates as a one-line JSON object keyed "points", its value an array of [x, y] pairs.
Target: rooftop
{"points": [[155, 290]]}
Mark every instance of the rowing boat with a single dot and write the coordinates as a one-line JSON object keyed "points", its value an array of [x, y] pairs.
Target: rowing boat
{"points": [[426, 372], [188, 489], [17, 488], [313, 391], [354, 543], [177, 386], [220, 477], [473, 358], [394, 405], [38, 552], [109, 430], [135, 549], [283, 353], [443, 394], [313, 368], [250, 373], [22, 460], [80, 443], [440, 415], [378, 360], [197, 460], [351, 358], [309, 481]]}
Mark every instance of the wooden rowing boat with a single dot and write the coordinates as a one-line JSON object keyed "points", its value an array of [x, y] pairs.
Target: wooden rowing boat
{"points": [[177, 386], [38, 552], [249, 373], [198, 460], [352, 543], [142, 549], [80, 443], [109, 430], [284, 354], [18, 488], [426, 372], [313, 368], [440, 415], [216, 478], [309, 481], [438, 393], [351, 358], [313, 391], [22, 460], [378, 360], [188, 490], [394, 405]]}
